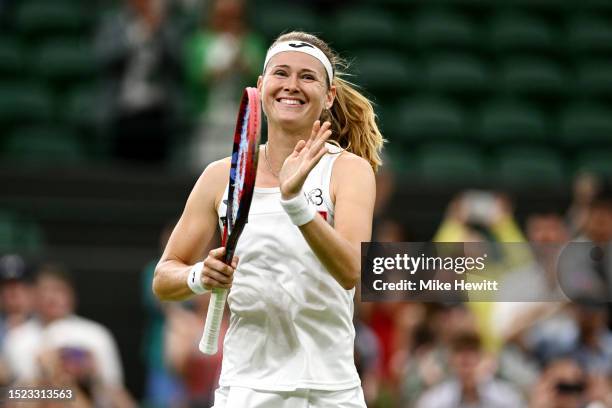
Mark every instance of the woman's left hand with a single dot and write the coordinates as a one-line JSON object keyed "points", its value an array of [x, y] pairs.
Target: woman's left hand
{"points": [[302, 160]]}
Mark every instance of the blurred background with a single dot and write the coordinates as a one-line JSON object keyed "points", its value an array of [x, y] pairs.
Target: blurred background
{"points": [[498, 116]]}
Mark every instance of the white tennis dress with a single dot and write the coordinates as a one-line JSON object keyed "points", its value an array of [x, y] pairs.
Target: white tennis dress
{"points": [[291, 322]]}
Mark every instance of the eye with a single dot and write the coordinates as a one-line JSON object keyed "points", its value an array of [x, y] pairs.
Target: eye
{"points": [[309, 77], [280, 72]]}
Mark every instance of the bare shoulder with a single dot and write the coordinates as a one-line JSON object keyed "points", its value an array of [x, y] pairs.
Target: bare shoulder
{"points": [[351, 171], [212, 181], [217, 167], [350, 165]]}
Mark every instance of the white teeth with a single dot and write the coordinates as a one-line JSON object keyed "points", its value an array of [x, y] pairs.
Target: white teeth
{"points": [[290, 101]]}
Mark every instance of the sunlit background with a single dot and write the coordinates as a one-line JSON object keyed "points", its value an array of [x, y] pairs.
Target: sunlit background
{"points": [[498, 116]]}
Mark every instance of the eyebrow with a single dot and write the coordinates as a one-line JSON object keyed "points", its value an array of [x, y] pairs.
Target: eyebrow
{"points": [[302, 70]]}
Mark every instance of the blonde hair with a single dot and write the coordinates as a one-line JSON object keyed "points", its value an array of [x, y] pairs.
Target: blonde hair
{"points": [[352, 114]]}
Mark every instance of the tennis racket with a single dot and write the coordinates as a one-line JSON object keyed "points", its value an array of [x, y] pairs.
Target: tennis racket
{"points": [[240, 193]]}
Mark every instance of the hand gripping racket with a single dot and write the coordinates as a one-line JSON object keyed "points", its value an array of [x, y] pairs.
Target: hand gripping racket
{"points": [[240, 192]]}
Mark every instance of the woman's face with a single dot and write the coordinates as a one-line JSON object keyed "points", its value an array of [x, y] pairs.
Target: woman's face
{"points": [[294, 90]]}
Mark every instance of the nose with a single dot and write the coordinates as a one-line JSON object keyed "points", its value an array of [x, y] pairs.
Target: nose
{"points": [[291, 84]]}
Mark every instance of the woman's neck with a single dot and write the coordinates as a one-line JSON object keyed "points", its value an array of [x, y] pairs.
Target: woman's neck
{"points": [[281, 143]]}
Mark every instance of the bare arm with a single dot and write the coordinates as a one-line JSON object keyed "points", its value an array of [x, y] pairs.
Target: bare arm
{"points": [[190, 237], [337, 248]]}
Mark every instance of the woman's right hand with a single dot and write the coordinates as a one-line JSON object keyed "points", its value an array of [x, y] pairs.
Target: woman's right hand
{"points": [[215, 272]]}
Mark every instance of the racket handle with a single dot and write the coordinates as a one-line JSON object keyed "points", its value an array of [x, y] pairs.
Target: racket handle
{"points": [[214, 316]]}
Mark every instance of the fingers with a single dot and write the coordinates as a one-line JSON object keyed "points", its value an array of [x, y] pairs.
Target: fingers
{"points": [[320, 142], [298, 148], [318, 137], [215, 272], [217, 253], [315, 129]]}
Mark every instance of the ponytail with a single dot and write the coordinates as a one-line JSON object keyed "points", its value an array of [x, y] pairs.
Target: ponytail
{"points": [[354, 123]]}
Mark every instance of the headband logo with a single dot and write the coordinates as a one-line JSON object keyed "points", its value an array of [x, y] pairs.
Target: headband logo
{"points": [[300, 45]]}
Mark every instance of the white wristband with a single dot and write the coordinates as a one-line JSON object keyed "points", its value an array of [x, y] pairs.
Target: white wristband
{"points": [[194, 279], [299, 209]]}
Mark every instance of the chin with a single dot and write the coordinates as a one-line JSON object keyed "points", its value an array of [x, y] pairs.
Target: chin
{"points": [[294, 122]]}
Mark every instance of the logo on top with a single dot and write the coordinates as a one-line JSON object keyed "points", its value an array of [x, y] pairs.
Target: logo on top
{"points": [[300, 45]]}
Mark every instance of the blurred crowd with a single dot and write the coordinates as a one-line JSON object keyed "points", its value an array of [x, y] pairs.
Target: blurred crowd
{"points": [[45, 344], [173, 67], [556, 352]]}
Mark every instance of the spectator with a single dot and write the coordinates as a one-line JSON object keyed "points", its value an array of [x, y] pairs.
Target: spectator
{"points": [[563, 384], [163, 386], [368, 353], [137, 50], [585, 189], [586, 266], [56, 327], [15, 294], [199, 372], [535, 284], [75, 368], [222, 57], [598, 225], [427, 364], [471, 385], [593, 345], [487, 218], [15, 302]]}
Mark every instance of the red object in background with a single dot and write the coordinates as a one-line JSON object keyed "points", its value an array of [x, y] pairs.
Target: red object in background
{"points": [[202, 371], [382, 323]]}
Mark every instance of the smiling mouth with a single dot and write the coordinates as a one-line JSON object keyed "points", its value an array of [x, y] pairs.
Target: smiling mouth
{"points": [[290, 102]]}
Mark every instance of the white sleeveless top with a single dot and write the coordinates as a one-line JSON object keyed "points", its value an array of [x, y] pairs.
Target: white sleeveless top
{"points": [[291, 323]]}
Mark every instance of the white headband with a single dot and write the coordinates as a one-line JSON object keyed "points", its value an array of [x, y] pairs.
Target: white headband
{"points": [[306, 48]]}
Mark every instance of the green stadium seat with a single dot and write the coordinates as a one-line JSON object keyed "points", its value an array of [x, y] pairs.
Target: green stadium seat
{"points": [[597, 6], [8, 231], [586, 124], [24, 102], [16, 234], [502, 122], [525, 167], [38, 17], [457, 73], [594, 161], [29, 237], [393, 5], [549, 6], [385, 114], [426, 118], [44, 144], [515, 32], [595, 78], [11, 58], [590, 35], [451, 165], [82, 107], [441, 29], [384, 73], [274, 19], [64, 60], [469, 5], [533, 76], [88, 110], [362, 28]]}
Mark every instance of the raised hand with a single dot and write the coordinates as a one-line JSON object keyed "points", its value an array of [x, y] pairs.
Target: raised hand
{"points": [[302, 160]]}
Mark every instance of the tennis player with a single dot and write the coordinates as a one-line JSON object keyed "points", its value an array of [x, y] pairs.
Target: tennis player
{"points": [[290, 340]]}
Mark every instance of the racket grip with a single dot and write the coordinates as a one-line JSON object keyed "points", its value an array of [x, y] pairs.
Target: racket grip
{"points": [[210, 337]]}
